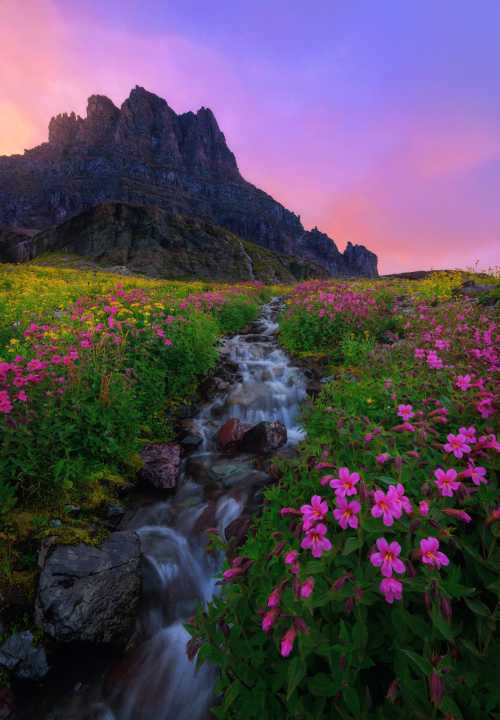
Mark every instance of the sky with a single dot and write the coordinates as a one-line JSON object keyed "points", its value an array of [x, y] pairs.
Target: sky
{"points": [[378, 121]]}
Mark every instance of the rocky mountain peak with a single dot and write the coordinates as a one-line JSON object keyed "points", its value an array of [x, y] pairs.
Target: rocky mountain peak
{"points": [[146, 154], [64, 129]]}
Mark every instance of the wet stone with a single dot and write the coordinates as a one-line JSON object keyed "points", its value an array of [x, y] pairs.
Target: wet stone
{"points": [[162, 464], [20, 656]]}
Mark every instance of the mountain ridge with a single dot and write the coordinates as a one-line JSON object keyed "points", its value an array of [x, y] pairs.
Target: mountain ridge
{"points": [[144, 153]]}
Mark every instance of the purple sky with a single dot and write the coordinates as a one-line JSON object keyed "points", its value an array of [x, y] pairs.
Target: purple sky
{"points": [[377, 121]]}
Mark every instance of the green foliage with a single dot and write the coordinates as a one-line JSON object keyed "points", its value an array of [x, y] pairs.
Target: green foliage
{"points": [[236, 315]]}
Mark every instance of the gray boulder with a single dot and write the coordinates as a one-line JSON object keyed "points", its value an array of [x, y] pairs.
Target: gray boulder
{"points": [[21, 657], [90, 594]]}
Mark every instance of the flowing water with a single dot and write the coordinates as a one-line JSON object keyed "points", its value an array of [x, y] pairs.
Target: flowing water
{"points": [[156, 680]]}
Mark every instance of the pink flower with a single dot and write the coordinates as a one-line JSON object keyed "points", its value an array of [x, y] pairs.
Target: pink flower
{"points": [[346, 482], [5, 403], [346, 513], [490, 442], [458, 514], [446, 481], [457, 444], [316, 541], [22, 396], [420, 353], [463, 382], [387, 558], [391, 589], [434, 361], [401, 503], [291, 557], [485, 407], [274, 598], [405, 412], [423, 507], [36, 364], [287, 641], [383, 458], [431, 555], [383, 507], [314, 512], [232, 573], [476, 474], [289, 511], [307, 587], [442, 344], [85, 344], [269, 619], [469, 434]]}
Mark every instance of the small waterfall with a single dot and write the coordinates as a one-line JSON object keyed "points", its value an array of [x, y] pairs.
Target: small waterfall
{"points": [[155, 680]]}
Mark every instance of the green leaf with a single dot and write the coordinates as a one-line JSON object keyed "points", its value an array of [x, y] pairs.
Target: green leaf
{"points": [[440, 623], [296, 672], [352, 543], [423, 665], [449, 706], [323, 685], [477, 607], [351, 699], [232, 694]]}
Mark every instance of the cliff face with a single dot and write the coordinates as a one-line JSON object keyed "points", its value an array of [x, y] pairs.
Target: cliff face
{"points": [[150, 241], [145, 154]]}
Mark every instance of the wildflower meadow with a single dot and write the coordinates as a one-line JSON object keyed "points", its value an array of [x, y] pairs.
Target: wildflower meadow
{"points": [[369, 586]]}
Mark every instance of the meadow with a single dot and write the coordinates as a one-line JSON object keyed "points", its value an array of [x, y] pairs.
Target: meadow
{"points": [[368, 587], [93, 367]]}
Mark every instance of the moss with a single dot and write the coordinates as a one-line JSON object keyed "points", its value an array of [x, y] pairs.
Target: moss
{"points": [[23, 524], [26, 582], [77, 533], [133, 464]]}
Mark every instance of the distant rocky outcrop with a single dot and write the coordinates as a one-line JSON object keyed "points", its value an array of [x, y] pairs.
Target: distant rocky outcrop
{"points": [[150, 241], [145, 154]]}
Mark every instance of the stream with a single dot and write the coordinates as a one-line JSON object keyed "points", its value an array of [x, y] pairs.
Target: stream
{"points": [[156, 680]]}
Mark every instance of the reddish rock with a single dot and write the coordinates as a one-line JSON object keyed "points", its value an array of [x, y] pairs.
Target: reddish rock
{"points": [[6, 704], [162, 464], [237, 530], [230, 434], [266, 437]]}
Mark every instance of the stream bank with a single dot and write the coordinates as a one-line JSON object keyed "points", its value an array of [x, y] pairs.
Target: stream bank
{"points": [[258, 392]]}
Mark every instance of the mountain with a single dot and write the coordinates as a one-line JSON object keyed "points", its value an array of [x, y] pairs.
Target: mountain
{"points": [[145, 154], [149, 240]]}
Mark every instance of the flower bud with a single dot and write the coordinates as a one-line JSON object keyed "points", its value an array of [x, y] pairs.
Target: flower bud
{"points": [[436, 689], [446, 609], [392, 692]]}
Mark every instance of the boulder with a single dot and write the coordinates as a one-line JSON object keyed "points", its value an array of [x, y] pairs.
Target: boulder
{"points": [[264, 438], [22, 658], [90, 594], [190, 442], [162, 464], [230, 434]]}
